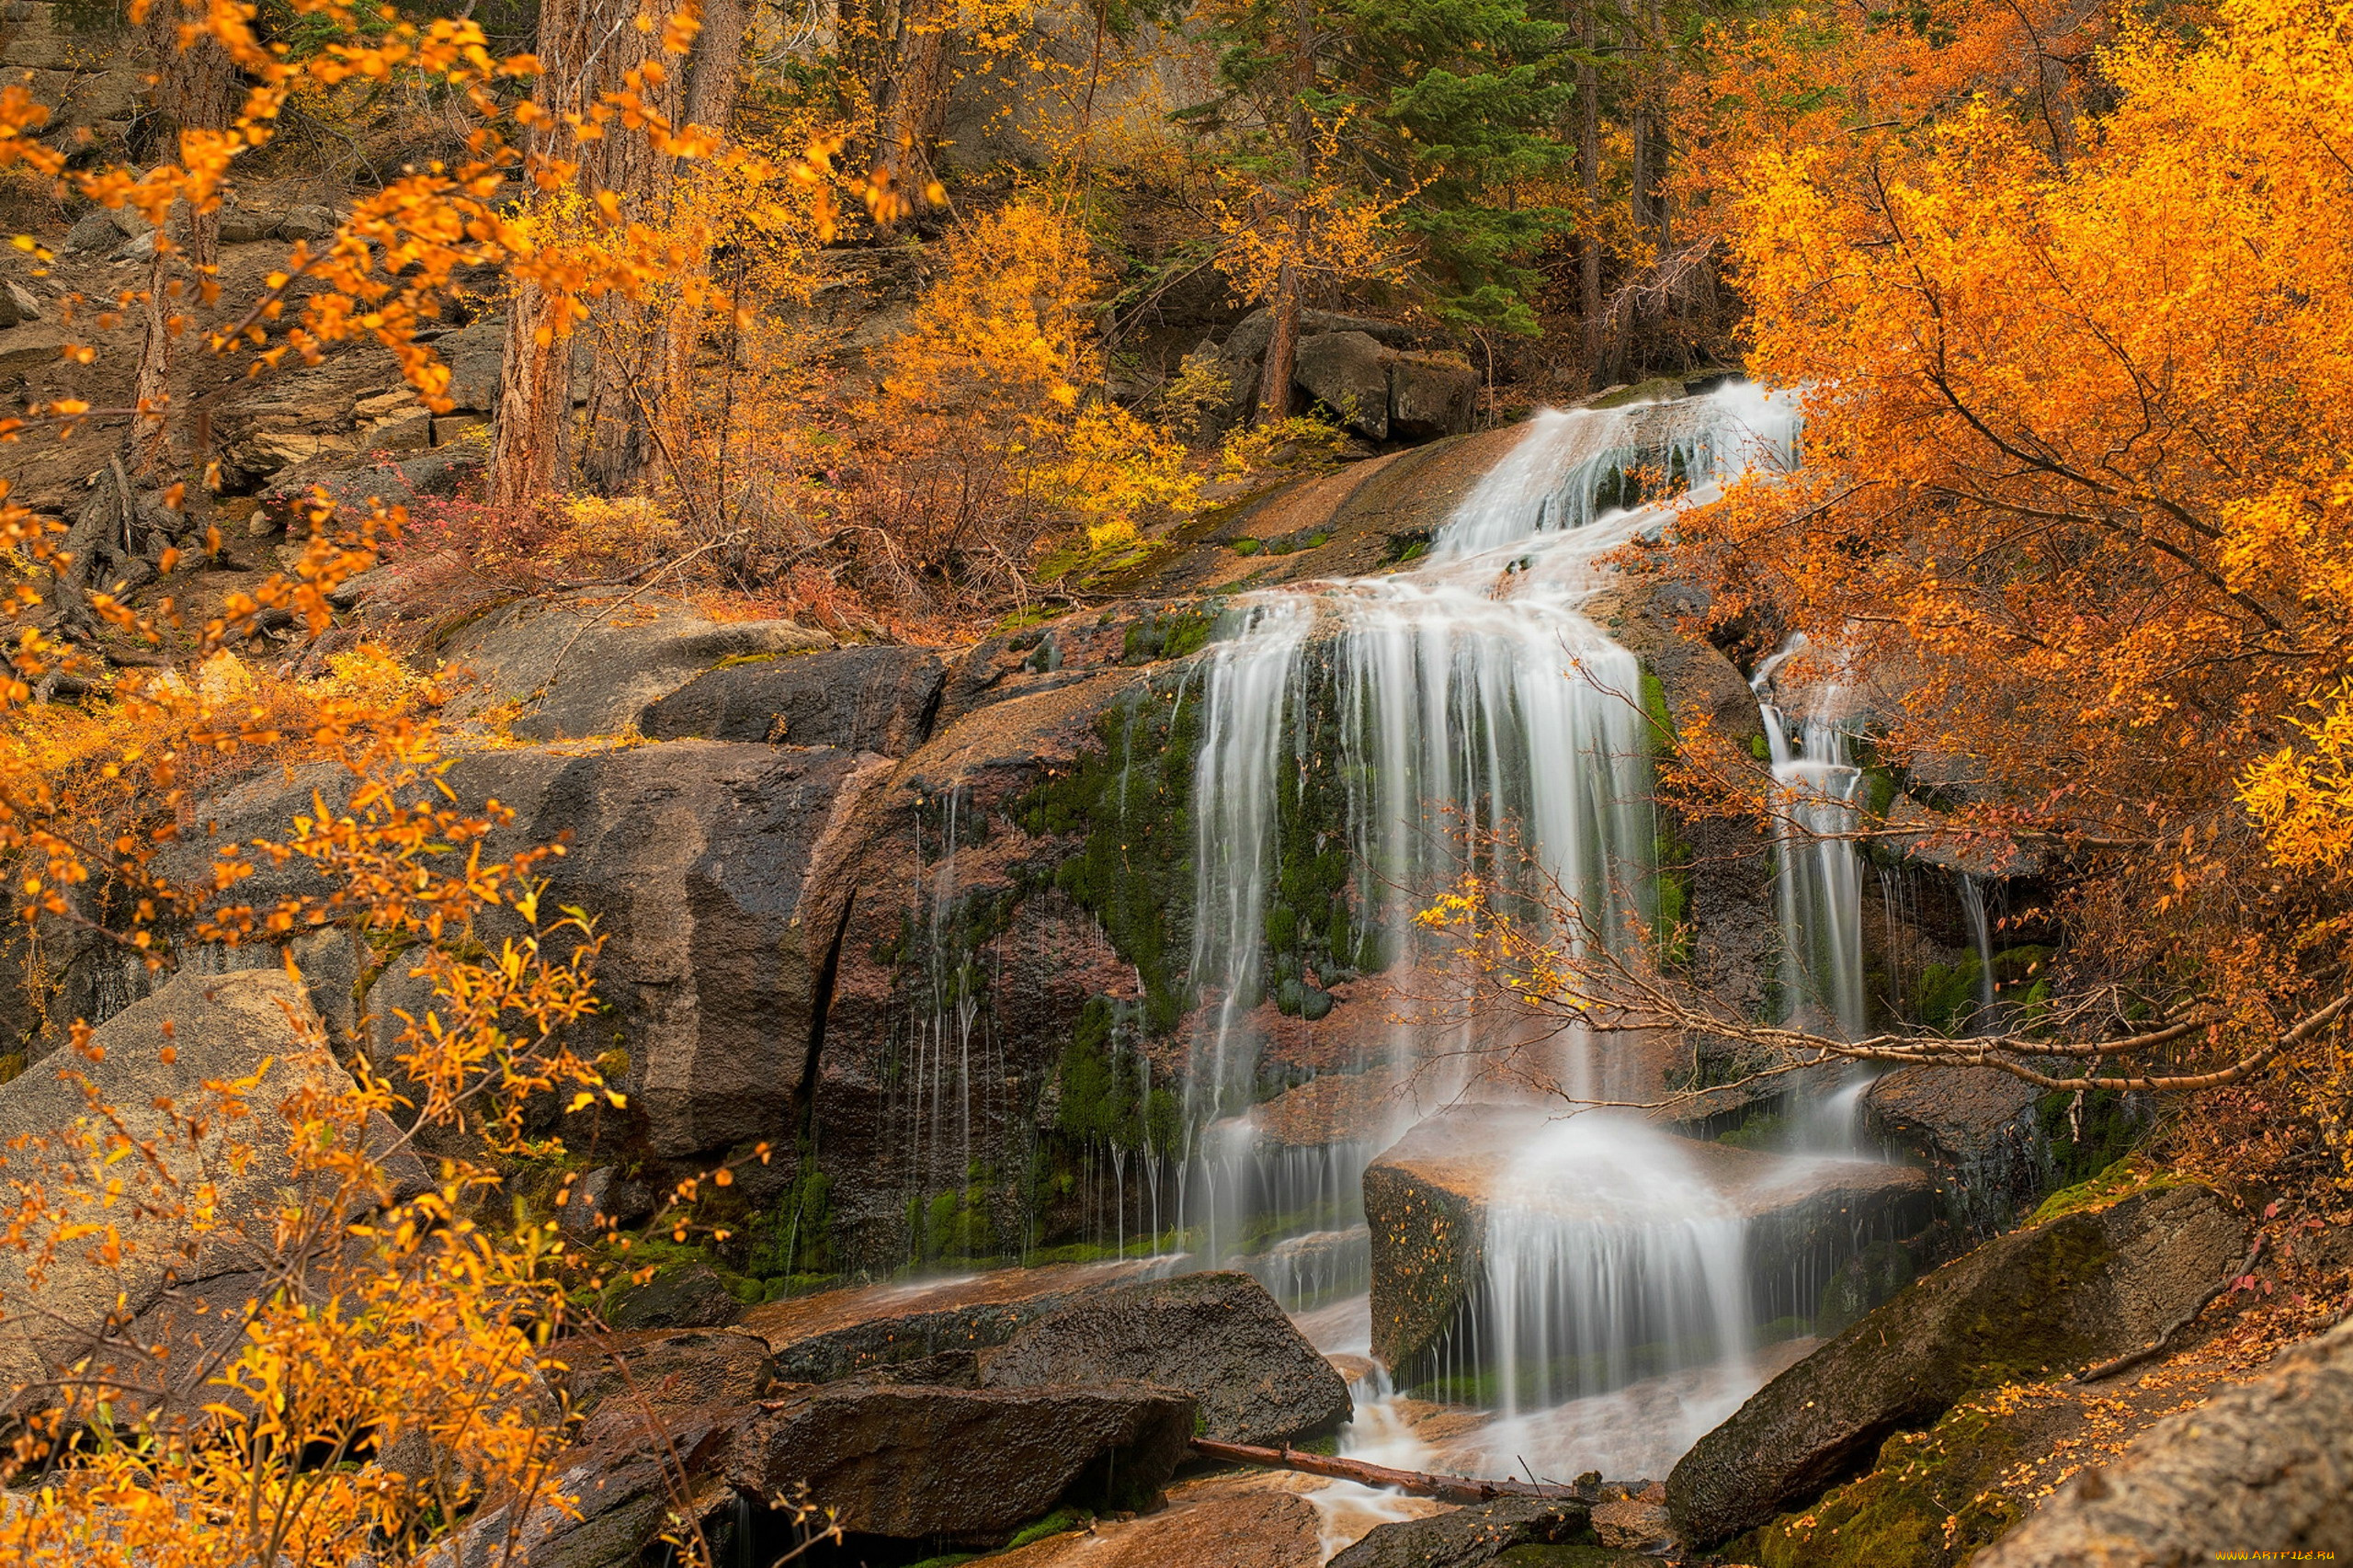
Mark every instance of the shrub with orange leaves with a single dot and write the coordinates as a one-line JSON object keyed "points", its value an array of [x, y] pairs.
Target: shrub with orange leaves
{"points": [[2075, 350]]}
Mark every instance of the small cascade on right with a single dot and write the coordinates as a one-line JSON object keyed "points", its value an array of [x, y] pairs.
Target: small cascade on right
{"points": [[1817, 874]]}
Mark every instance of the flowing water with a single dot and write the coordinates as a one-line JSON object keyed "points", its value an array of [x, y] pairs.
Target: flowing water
{"points": [[1466, 714], [1817, 874], [1393, 726]]}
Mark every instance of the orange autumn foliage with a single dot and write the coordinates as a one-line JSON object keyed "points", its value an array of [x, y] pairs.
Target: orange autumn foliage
{"points": [[2076, 358]]}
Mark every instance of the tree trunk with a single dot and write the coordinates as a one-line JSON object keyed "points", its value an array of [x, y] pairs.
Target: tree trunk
{"points": [[534, 400], [152, 388], [1282, 348], [1282, 344], [588, 48], [717, 64], [196, 88], [915, 101]]}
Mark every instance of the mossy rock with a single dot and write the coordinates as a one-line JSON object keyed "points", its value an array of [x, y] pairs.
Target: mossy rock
{"points": [[2036, 1303], [1928, 1503]]}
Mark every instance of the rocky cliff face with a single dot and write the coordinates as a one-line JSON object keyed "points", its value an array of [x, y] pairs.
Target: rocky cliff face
{"points": [[922, 922]]}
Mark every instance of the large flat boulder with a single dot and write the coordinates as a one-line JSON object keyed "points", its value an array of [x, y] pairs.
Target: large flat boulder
{"points": [[2263, 1470], [1219, 1337], [201, 1199], [2077, 1290], [879, 699], [853, 1332], [1429, 1198], [1221, 1522], [964, 1464], [557, 670]]}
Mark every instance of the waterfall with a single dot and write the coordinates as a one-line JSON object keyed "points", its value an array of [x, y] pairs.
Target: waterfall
{"points": [[1980, 937], [1624, 1262], [1353, 730], [1817, 874]]}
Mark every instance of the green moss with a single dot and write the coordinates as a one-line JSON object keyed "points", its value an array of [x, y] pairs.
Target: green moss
{"points": [[1928, 1503], [2118, 1181], [1248, 546], [1104, 1083], [1056, 1523], [2087, 1144], [1127, 801], [1760, 748], [956, 1226], [1407, 547], [1168, 634], [733, 660], [795, 1237]]}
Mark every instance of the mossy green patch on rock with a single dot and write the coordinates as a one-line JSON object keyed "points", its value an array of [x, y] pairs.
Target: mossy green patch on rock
{"points": [[2115, 1182], [1133, 871], [1928, 1503]]}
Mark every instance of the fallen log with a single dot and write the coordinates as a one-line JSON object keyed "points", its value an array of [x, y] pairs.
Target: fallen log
{"points": [[1421, 1484]]}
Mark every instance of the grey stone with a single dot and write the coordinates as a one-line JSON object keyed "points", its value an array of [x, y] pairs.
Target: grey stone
{"points": [[1348, 373], [475, 355], [1430, 396], [1248, 342], [18, 304], [221, 1027], [604, 1194], [688, 1297], [93, 232], [697, 859], [575, 674], [1976, 1127], [2264, 1469], [964, 1464], [2035, 1302], [308, 221], [879, 699], [1469, 1536], [1219, 1337]]}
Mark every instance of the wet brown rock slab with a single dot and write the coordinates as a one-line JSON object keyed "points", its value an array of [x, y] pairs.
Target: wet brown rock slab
{"points": [[835, 1334]]}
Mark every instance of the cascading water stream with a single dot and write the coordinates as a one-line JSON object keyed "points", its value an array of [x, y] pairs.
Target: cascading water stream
{"points": [[1346, 722], [1817, 874]]}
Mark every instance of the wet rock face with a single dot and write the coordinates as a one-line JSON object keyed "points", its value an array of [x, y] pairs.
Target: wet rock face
{"points": [[965, 1464], [1219, 1337], [1427, 1200], [2039, 1302], [1469, 1536], [1978, 1128], [616, 1378], [2265, 1466]]}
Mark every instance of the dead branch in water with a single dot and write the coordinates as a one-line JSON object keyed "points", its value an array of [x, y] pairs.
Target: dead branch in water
{"points": [[1445, 1488]]}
